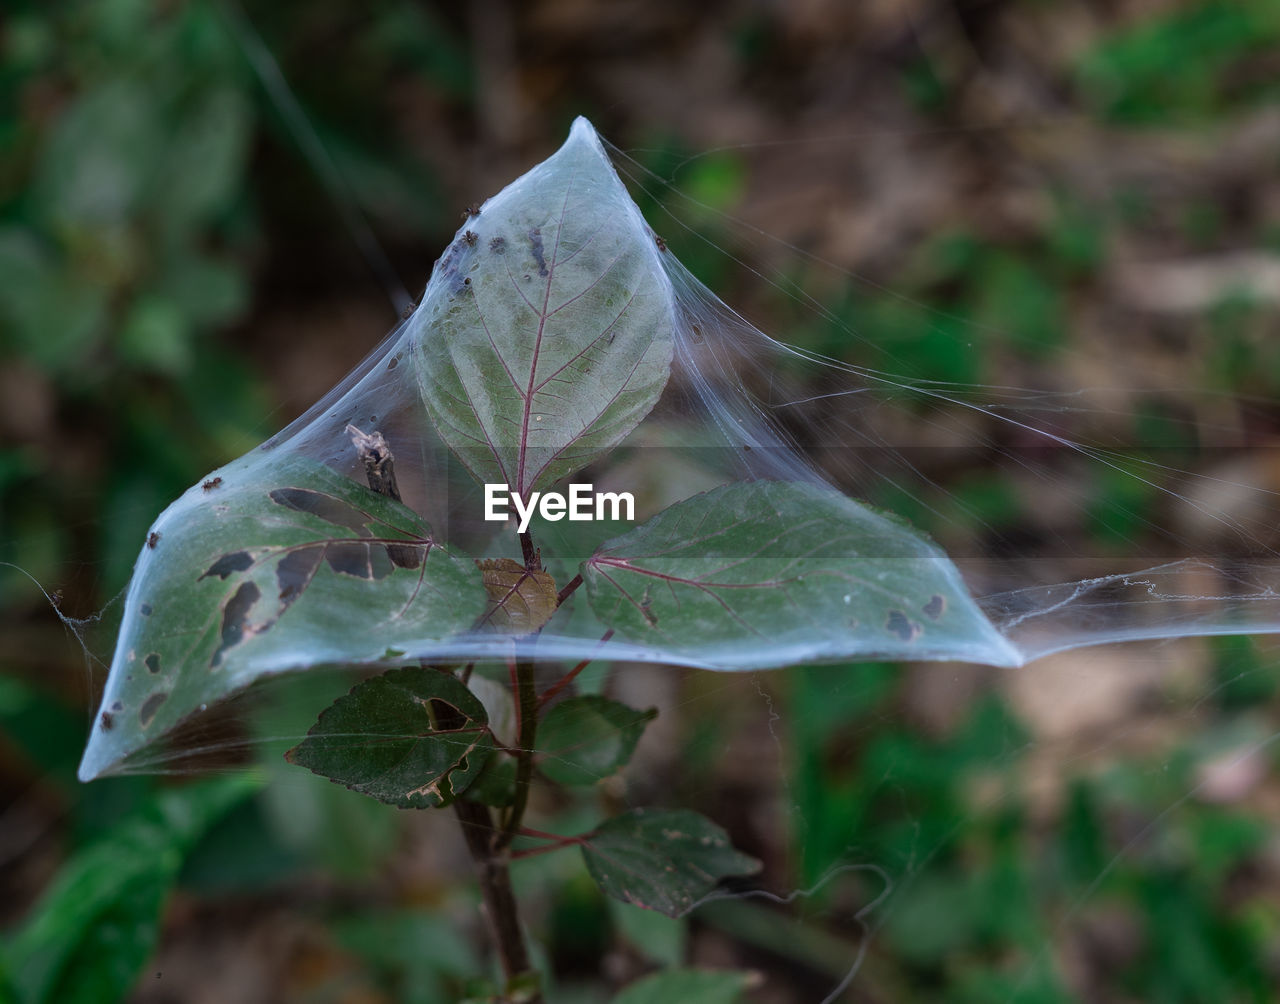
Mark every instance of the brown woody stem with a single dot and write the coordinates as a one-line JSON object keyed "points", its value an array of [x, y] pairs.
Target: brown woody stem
{"points": [[493, 870], [502, 913], [569, 588], [527, 707]]}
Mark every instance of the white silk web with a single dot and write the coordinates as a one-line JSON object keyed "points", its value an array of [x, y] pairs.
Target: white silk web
{"points": [[1188, 552]]}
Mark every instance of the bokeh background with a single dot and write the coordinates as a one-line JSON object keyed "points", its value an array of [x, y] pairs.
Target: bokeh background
{"points": [[1003, 192]]}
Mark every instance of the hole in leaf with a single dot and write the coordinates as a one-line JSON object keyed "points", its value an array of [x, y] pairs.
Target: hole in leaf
{"points": [[900, 625], [328, 508], [295, 570], [236, 561], [149, 708], [235, 616]]}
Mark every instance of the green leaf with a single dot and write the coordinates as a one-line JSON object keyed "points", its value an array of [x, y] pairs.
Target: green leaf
{"points": [[496, 784], [661, 939], [689, 986], [203, 160], [585, 739], [254, 574], [664, 861], [101, 156], [386, 740], [97, 924], [741, 569], [545, 333]]}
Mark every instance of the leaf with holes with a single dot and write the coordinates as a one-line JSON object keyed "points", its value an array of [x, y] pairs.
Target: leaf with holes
{"points": [[664, 861], [585, 739], [743, 565], [266, 574], [411, 737], [545, 333]]}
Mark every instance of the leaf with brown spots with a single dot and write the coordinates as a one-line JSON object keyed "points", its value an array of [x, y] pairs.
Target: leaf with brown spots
{"points": [[294, 567], [545, 335]]}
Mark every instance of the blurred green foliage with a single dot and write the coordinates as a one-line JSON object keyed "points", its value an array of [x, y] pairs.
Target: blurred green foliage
{"points": [[97, 924], [1194, 62], [125, 235], [979, 891]]}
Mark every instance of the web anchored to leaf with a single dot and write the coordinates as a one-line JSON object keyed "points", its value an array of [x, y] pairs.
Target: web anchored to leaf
{"points": [[561, 353], [549, 344]]}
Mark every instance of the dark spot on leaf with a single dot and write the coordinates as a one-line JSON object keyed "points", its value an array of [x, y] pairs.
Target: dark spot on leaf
{"points": [[211, 484], [152, 662], [535, 242], [236, 561], [935, 607], [466, 281], [107, 720], [153, 539], [145, 610], [498, 245], [901, 626], [360, 560], [117, 706], [662, 245], [149, 708], [235, 617], [295, 571], [406, 555], [330, 509], [349, 559]]}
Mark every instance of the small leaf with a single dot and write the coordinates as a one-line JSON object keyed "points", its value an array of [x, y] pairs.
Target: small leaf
{"points": [[521, 601], [741, 569], [546, 329], [585, 739], [665, 861], [382, 739], [689, 986], [499, 706], [496, 785], [663, 940]]}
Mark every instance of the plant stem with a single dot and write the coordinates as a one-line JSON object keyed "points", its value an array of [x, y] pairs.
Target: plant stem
{"points": [[493, 870], [527, 705], [568, 677], [568, 589], [501, 911], [531, 557]]}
